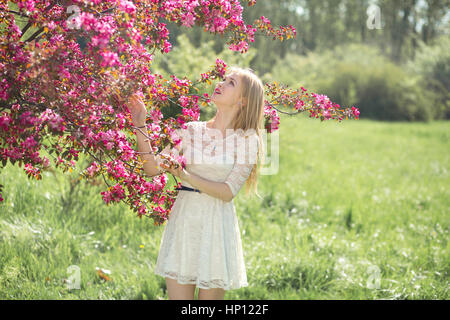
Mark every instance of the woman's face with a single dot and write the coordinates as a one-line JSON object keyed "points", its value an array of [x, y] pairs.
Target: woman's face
{"points": [[228, 92]]}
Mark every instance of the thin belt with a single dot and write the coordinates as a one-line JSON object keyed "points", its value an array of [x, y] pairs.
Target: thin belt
{"points": [[187, 189]]}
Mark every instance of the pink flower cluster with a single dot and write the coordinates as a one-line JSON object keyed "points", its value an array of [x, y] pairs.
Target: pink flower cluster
{"points": [[92, 170], [272, 120], [319, 106], [110, 59], [188, 20], [114, 194], [54, 121], [4, 86], [26, 5], [127, 6]]}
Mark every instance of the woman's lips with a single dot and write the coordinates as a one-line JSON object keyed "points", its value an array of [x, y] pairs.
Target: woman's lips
{"points": [[217, 91]]}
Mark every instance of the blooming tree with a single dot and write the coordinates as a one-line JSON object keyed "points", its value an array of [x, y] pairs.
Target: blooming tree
{"points": [[59, 98]]}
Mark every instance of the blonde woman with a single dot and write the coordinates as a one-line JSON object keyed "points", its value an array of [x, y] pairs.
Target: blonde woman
{"points": [[201, 244]]}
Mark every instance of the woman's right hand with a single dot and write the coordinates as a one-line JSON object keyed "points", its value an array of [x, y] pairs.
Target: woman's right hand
{"points": [[137, 110]]}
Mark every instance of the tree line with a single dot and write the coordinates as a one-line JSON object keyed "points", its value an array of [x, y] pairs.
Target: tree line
{"points": [[326, 24]]}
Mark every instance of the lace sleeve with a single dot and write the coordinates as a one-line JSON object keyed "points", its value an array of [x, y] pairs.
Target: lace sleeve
{"points": [[243, 167]]}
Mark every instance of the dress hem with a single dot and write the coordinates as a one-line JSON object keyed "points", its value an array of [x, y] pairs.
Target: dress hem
{"points": [[198, 283]]}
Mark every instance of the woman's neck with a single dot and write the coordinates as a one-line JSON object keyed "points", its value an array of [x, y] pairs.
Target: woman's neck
{"points": [[221, 121]]}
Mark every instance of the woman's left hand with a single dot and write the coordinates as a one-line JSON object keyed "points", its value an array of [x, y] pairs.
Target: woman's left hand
{"points": [[177, 172]]}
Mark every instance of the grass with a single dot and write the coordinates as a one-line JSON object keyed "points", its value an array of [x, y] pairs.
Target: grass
{"points": [[357, 210]]}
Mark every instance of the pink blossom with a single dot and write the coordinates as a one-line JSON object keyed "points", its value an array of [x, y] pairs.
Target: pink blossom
{"points": [[181, 160], [167, 46], [272, 118], [45, 162], [355, 112], [300, 105], [27, 119], [320, 98], [28, 5], [29, 143], [191, 5], [242, 46], [326, 114], [127, 6], [265, 20], [188, 20], [4, 85], [104, 28], [109, 59], [220, 23], [205, 76], [51, 25], [86, 20], [15, 31], [30, 170], [93, 169], [193, 113], [99, 40], [5, 120], [184, 101]]}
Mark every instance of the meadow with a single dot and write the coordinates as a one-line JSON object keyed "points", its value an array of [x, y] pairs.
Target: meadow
{"points": [[357, 210]]}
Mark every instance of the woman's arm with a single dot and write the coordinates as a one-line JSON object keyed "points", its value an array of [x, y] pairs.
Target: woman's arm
{"points": [[215, 189], [151, 162], [139, 115]]}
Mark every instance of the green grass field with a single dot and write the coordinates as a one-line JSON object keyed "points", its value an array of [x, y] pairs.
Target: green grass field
{"points": [[357, 210]]}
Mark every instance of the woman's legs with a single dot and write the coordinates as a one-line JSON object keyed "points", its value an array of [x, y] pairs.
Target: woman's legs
{"points": [[211, 294], [177, 291]]}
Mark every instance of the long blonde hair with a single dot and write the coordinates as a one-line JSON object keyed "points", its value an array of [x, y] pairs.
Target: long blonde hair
{"points": [[250, 116]]}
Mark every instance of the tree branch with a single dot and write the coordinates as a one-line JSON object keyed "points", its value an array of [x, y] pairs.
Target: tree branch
{"points": [[15, 12], [35, 35], [288, 113]]}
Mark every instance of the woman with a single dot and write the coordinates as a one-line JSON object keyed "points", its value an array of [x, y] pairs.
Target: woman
{"points": [[201, 245]]}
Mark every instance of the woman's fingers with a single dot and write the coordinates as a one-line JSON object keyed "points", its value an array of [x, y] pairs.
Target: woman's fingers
{"points": [[175, 170], [136, 105], [134, 97], [134, 100], [131, 102], [164, 165], [166, 168]]}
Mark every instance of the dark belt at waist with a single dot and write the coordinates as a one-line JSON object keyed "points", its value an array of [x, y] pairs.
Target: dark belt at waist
{"points": [[187, 189]]}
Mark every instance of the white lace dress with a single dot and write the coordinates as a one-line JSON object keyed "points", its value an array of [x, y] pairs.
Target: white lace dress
{"points": [[201, 242]]}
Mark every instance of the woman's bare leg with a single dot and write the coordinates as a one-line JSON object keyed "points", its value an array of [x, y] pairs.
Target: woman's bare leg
{"points": [[211, 294], [177, 291]]}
